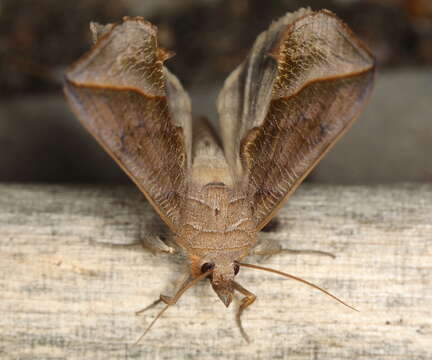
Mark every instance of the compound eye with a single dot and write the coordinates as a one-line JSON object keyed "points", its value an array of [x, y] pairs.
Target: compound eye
{"points": [[206, 267], [236, 269]]}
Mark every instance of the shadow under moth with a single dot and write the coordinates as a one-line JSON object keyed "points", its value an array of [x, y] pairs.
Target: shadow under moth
{"points": [[302, 85]]}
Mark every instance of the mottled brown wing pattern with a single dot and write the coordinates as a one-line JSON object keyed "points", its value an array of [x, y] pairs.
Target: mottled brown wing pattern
{"points": [[136, 110], [296, 133], [301, 87]]}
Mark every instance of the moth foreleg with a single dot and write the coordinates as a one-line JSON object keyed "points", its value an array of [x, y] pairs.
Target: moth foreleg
{"points": [[151, 306], [169, 300], [162, 298], [244, 303], [268, 248]]}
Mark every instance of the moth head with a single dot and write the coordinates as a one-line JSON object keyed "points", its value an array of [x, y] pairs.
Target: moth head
{"points": [[221, 278]]}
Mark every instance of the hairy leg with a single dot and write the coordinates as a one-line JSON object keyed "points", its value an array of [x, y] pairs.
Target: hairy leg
{"points": [[268, 248], [156, 245]]}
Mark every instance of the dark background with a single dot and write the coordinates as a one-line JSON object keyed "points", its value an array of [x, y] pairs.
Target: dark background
{"points": [[40, 140]]}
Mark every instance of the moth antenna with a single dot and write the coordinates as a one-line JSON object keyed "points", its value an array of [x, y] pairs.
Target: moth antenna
{"points": [[252, 266], [172, 300], [152, 323]]}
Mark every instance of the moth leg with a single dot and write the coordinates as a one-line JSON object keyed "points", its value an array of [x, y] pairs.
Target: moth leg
{"points": [[169, 300], [244, 303], [156, 245], [151, 306], [268, 248]]}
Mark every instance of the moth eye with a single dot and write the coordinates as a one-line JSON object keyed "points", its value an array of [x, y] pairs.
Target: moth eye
{"points": [[206, 267], [236, 269]]}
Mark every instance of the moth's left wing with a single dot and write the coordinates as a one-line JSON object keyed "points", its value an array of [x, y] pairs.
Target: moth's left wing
{"points": [[304, 82], [136, 109]]}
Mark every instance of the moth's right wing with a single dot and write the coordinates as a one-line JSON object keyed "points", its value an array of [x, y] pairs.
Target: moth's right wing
{"points": [[136, 109], [304, 82]]}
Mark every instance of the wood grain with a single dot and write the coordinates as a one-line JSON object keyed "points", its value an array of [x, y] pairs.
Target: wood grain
{"points": [[68, 292]]}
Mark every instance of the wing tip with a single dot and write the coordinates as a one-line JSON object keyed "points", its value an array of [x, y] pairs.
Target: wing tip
{"points": [[287, 23]]}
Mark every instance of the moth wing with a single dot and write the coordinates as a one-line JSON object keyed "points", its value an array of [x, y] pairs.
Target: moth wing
{"points": [[136, 109], [302, 85]]}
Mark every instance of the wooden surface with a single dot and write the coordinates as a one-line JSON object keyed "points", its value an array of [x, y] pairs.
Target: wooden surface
{"points": [[67, 292]]}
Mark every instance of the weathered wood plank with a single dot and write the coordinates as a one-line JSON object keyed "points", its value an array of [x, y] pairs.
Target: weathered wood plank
{"points": [[67, 292]]}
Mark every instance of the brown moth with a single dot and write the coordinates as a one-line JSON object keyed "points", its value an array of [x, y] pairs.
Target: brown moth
{"points": [[303, 84]]}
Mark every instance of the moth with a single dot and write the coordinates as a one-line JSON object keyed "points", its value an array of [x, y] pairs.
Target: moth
{"points": [[302, 85]]}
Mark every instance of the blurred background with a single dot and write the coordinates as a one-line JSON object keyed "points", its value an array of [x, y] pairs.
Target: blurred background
{"points": [[40, 140]]}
